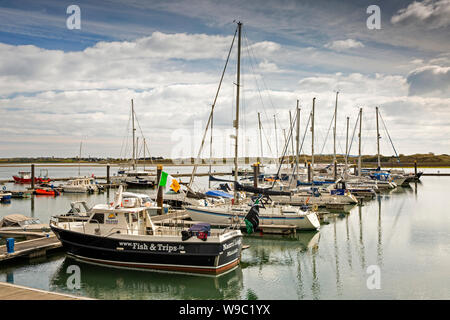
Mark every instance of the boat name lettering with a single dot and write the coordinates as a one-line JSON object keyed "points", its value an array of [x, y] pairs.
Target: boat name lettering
{"points": [[152, 247], [231, 244], [230, 253]]}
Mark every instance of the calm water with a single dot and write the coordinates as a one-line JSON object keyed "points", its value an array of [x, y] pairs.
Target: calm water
{"points": [[404, 232]]}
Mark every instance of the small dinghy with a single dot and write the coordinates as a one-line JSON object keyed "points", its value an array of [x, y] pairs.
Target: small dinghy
{"points": [[126, 237], [46, 192]]}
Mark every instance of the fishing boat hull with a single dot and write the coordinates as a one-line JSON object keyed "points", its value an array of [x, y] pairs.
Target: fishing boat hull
{"points": [[191, 256], [308, 221]]}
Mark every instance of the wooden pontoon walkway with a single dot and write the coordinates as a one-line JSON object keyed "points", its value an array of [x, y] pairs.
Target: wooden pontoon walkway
{"points": [[31, 248], [10, 291]]}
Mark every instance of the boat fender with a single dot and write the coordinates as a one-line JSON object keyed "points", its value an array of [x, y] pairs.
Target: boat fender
{"points": [[315, 207], [185, 235]]}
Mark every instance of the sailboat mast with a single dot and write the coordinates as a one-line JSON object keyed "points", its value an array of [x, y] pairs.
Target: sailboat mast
{"points": [[79, 159], [210, 150], [134, 134], [334, 129], [297, 139], [312, 135], [144, 155], [346, 146], [359, 153], [378, 141], [260, 136], [236, 124], [276, 135], [292, 139]]}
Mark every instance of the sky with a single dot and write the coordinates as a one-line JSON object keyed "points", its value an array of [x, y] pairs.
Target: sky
{"points": [[61, 86]]}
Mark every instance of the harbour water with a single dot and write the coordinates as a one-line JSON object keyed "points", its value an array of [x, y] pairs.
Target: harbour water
{"points": [[402, 236]]}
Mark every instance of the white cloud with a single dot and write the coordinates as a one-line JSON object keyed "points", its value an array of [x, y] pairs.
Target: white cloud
{"points": [[430, 80], [429, 13], [340, 45]]}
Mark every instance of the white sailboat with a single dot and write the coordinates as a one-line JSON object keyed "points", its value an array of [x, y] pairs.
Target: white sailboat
{"points": [[236, 212]]}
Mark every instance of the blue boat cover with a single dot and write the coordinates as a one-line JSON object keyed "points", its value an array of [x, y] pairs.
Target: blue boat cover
{"points": [[200, 227], [218, 193]]}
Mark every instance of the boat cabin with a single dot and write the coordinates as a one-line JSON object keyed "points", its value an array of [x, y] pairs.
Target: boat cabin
{"points": [[105, 219]]}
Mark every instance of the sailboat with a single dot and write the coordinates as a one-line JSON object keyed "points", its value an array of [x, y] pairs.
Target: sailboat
{"points": [[236, 210], [136, 178]]}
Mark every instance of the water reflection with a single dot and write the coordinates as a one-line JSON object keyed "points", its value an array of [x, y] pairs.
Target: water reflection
{"points": [[402, 235], [111, 283], [269, 249]]}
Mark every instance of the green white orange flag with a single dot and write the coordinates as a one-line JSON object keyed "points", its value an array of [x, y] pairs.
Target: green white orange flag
{"points": [[167, 180]]}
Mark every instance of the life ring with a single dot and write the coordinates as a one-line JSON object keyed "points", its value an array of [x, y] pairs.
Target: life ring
{"points": [[315, 207]]}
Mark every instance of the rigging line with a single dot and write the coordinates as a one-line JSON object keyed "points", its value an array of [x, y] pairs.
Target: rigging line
{"points": [[353, 135], [304, 135], [254, 75], [211, 113], [398, 158], [286, 147], [326, 137], [253, 56], [125, 137], [259, 90]]}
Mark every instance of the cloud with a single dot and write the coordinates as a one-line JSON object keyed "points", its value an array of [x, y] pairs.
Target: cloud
{"points": [[340, 45], [428, 13], [269, 67], [431, 80]]}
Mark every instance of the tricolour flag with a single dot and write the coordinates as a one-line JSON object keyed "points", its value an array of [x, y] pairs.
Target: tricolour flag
{"points": [[167, 180]]}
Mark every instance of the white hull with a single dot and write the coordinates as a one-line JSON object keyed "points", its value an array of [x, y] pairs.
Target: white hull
{"points": [[224, 215], [322, 200]]}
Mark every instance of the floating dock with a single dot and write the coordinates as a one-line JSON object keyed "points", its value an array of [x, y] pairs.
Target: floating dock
{"points": [[9, 291], [31, 248]]}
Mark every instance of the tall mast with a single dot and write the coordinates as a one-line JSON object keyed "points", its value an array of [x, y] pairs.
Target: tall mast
{"points": [[346, 147], [276, 135], [210, 150], [134, 134], [260, 136], [79, 158], [297, 138], [144, 155], [359, 154], [312, 135], [378, 141], [334, 130], [292, 138], [236, 124], [137, 151]]}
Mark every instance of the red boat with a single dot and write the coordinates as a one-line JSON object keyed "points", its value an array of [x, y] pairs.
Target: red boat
{"points": [[25, 178], [46, 192]]}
